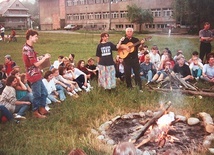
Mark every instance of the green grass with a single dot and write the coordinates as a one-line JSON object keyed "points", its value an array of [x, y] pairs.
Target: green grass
{"points": [[70, 123]]}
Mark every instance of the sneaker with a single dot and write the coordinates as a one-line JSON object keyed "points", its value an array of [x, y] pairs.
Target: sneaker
{"points": [[197, 78], [141, 91], [47, 108], [87, 90], [19, 117], [79, 89], [147, 83], [70, 94]]}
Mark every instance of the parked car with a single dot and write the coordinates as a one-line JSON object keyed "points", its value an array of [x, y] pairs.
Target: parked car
{"points": [[71, 27]]}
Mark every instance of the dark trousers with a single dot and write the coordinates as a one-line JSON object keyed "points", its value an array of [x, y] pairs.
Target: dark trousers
{"points": [[205, 49], [130, 64]]}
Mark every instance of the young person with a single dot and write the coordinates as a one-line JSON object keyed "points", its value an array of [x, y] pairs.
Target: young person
{"points": [[106, 75], [34, 75]]}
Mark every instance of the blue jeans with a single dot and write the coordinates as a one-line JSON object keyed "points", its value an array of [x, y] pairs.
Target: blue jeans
{"points": [[27, 97], [21, 109], [5, 112], [40, 94], [61, 92], [148, 76], [196, 73]]}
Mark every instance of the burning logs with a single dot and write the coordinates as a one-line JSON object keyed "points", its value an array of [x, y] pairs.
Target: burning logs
{"points": [[141, 132], [159, 132]]}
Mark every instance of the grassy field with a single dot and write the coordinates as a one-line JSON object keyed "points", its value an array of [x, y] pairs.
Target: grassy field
{"points": [[69, 125]]}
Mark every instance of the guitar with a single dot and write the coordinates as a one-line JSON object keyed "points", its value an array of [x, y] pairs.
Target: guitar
{"points": [[123, 53]]}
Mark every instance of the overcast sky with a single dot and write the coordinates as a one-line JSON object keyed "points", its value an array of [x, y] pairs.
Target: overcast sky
{"points": [[32, 1]]}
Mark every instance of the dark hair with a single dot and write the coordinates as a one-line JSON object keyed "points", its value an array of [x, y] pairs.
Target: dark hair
{"points": [[54, 70], [47, 74], [103, 35], [14, 72], [10, 79], [61, 57], [31, 32], [61, 70], [72, 55], [206, 23], [195, 53], [210, 55], [79, 63]]}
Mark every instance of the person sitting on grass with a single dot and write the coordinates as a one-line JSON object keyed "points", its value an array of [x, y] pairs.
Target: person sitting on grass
{"points": [[195, 55], [70, 87], [147, 69], [182, 68], [78, 76], [53, 93], [9, 100], [2, 78], [92, 68], [9, 64], [208, 69], [57, 62], [196, 67], [81, 66]]}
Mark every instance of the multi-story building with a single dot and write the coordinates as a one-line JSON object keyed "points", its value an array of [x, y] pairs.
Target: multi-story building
{"points": [[103, 14], [14, 15]]}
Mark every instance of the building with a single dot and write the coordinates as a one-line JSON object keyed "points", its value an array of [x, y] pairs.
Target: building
{"points": [[14, 14], [103, 14]]}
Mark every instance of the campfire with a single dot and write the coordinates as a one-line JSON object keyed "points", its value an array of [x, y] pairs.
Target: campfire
{"points": [[161, 132]]}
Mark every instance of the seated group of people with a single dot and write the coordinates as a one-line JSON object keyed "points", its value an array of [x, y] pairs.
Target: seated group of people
{"points": [[155, 67], [63, 79]]}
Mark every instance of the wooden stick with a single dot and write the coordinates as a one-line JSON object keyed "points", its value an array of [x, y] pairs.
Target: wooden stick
{"points": [[152, 121]]}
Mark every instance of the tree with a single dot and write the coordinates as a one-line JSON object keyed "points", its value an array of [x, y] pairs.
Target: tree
{"points": [[194, 12], [139, 16]]}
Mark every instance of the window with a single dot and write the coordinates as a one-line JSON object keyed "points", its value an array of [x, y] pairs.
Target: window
{"points": [[168, 12], [150, 26], [17, 5], [97, 15], [123, 14], [105, 15], [69, 2], [156, 12], [120, 26], [129, 25], [161, 26], [82, 16], [90, 16], [115, 15]]}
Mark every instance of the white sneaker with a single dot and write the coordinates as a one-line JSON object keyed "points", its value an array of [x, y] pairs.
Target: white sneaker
{"points": [[79, 89], [47, 108], [76, 90], [19, 117], [87, 90], [70, 94]]}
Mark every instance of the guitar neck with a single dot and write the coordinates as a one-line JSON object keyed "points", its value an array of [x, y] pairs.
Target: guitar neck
{"points": [[139, 42]]}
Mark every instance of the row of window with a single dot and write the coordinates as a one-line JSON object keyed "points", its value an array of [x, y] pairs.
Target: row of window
{"points": [[97, 15], [165, 12], [84, 2]]}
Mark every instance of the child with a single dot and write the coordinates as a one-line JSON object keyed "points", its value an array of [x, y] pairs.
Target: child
{"points": [[196, 67]]}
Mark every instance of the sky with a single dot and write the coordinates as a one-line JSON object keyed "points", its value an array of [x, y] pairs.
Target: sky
{"points": [[32, 1]]}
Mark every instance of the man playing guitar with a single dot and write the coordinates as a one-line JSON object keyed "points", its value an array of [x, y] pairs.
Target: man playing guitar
{"points": [[131, 61]]}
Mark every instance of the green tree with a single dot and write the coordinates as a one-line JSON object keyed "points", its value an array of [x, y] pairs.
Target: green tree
{"points": [[139, 16], [194, 12]]}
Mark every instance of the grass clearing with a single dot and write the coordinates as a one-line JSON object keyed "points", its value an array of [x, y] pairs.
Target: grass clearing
{"points": [[69, 125]]}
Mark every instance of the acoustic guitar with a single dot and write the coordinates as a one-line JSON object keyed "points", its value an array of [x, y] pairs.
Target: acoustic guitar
{"points": [[123, 52]]}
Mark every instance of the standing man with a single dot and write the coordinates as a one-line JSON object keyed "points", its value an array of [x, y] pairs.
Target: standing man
{"points": [[2, 32], [34, 75], [131, 61], [206, 37]]}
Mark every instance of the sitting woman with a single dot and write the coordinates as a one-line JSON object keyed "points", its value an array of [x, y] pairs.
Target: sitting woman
{"points": [[9, 100], [23, 90], [81, 66], [147, 69], [78, 76], [53, 93]]}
